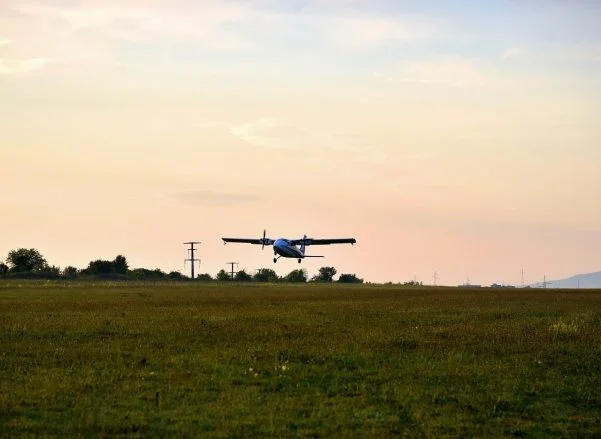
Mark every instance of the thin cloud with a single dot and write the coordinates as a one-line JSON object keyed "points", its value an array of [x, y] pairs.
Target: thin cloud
{"points": [[447, 71], [207, 26], [512, 53], [5, 41], [349, 146], [10, 67], [272, 133], [211, 124], [204, 197], [226, 26], [368, 32]]}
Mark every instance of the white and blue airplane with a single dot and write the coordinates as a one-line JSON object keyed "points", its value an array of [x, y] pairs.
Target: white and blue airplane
{"points": [[288, 248]]}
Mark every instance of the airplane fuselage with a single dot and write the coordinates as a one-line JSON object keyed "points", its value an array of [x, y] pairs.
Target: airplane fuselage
{"points": [[283, 248]]}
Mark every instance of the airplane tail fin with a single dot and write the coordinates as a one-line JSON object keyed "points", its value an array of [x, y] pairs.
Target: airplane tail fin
{"points": [[302, 247]]}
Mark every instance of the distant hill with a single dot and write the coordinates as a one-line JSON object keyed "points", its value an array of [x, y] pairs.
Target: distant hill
{"points": [[590, 280]]}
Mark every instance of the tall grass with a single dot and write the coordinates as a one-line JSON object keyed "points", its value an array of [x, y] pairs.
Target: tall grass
{"points": [[169, 359]]}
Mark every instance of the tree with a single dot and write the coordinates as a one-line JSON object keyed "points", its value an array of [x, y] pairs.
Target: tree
{"points": [[266, 275], [350, 279], [146, 274], [52, 271], [243, 276], [26, 261], [223, 275], [176, 275], [325, 274], [69, 272], [99, 267], [205, 277], [3, 269], [120, 265], [299, 275]]}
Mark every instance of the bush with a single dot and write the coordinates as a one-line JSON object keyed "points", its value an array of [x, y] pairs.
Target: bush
{"points": [[325, 274], [243, 276], [146, 274], [266, 275], [299, 275], [350, 279]]}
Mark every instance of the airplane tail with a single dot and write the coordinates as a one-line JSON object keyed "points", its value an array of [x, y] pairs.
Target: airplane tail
{"points": [[302, 247]]}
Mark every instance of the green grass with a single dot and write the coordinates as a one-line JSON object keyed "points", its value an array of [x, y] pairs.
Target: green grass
{"points": [[190, 360]]}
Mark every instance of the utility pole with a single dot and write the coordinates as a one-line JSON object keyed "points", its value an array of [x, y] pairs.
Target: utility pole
{"points": [[545, 283], [192, 259], [232, 264], [522, 278], [435, 278]]}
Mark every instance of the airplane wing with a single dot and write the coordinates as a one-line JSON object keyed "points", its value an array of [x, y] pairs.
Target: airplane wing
{"points": [[312, 241], [265, 241]]}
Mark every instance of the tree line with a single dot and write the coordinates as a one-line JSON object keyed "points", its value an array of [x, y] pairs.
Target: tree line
{"points": [[26, 263]]}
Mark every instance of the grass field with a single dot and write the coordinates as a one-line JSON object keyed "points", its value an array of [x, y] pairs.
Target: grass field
{"points": [[210, 360]]}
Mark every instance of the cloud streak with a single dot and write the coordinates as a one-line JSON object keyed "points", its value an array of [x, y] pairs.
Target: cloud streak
{"points": [[271, 133], [207, 26], [206, 197], [444, 71], [513, 52], [24, 67], [231, 26], [365, 32]]}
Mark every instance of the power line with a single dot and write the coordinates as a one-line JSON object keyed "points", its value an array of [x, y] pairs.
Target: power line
{"points": [[192, 259]]}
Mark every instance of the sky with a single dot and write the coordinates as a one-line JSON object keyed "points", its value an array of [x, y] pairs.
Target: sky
{"points": [[460, 138]]}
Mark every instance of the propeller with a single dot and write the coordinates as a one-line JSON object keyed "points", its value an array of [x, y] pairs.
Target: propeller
{"points": [[263, 240]]}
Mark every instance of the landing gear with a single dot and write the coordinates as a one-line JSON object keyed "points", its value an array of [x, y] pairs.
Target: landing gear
{"points": [[299, 261], [275, 260]]}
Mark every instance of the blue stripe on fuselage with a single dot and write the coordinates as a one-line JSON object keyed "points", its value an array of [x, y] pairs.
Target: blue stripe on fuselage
{"points": [[284, 249]]}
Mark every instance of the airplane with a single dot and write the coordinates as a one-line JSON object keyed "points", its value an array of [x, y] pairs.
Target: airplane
{"points": [[287, 248]]}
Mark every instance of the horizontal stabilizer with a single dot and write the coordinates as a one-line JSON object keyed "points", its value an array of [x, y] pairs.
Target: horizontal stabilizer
{"points": [[313, 256]]}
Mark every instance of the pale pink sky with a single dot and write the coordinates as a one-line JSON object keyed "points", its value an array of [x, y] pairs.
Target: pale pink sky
{"points": [[441, 138]]}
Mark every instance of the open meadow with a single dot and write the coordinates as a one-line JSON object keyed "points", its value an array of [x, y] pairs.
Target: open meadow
{"points": [[243, 360]]}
